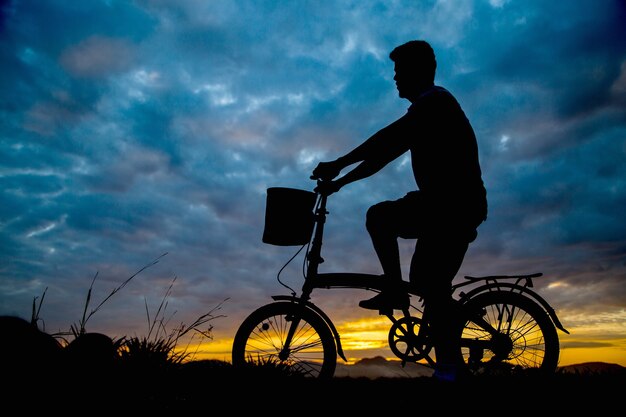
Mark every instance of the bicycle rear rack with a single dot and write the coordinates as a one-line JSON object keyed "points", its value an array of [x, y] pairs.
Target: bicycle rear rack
{"points": [[522, 285]]}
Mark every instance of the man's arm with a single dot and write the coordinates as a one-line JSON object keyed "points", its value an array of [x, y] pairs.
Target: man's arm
{"points": [[375, 153], [366, 168], [331, 169]]}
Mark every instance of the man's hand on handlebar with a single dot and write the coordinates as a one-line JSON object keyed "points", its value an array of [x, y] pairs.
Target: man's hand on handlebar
{"points": [[326, 171], [324, 174], [326, 187]]}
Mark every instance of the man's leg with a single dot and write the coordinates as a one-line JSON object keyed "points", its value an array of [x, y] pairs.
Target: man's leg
{"points": [[381, 224], [384, 221], [433, 267]]}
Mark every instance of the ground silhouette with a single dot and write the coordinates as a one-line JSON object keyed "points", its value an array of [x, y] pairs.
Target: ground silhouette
{"points": [[38, 373]]}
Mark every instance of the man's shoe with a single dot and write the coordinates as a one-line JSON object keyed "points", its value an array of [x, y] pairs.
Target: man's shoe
{"points": [[451, 373], [386, 301]]}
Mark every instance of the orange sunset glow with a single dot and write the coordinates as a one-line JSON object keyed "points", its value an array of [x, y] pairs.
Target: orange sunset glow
{"points": [[367, 337]]}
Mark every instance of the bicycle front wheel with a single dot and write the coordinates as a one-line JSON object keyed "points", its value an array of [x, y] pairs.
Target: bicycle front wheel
{"points": [[261, 340], [525, 336]]}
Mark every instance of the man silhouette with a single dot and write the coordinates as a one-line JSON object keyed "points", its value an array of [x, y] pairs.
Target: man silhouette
{"points": [[443, 214]]}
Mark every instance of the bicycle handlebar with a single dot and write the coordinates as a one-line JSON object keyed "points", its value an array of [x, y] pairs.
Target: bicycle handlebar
{"points": [[321, 181]]}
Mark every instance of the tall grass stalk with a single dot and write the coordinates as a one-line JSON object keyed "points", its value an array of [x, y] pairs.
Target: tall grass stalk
{"points": [[161, 345], [34, 319], [80, 329]]}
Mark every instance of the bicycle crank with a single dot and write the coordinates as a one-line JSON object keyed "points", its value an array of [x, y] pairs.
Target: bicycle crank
{"points": [[408, 339]]}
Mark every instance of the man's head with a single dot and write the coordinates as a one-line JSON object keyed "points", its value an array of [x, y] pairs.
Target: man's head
{"points": [[415, 67]]}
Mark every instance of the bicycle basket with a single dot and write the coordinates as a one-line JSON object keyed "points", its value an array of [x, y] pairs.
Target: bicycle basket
{"points": [[289, 216]]}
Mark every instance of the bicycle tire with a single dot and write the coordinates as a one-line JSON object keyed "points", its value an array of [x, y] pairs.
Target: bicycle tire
{"points": [[261, 337], [529, 338]]}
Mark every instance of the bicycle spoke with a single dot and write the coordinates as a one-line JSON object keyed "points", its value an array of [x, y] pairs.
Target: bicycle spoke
{"points": [[525, 338], [264, 338]]}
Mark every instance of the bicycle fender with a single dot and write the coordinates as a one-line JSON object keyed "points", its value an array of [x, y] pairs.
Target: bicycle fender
{"points": [[320, 313], [522, 290]]}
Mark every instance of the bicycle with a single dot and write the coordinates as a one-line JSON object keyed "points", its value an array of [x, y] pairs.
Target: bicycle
{"points": [[507, 325]]}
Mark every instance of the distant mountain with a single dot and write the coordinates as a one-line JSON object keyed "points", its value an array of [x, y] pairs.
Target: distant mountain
{"points": [[379, 367], [595, 368]]}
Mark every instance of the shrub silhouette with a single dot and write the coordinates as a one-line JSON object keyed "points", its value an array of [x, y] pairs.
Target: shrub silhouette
{"points": [[25, 349]]}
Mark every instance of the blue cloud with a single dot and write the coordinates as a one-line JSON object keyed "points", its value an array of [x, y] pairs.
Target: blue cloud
{"points": [[133, 129]]}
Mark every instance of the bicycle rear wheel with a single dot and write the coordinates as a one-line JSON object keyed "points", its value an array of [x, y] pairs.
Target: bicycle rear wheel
{"points": [[261, 338], [526, 337]]}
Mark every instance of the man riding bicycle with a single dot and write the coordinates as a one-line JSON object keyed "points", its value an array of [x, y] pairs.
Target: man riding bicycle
{"points": [[443, 214]]}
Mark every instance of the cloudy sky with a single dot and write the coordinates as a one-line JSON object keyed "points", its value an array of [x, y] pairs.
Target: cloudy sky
{"points": [[149, 130]]}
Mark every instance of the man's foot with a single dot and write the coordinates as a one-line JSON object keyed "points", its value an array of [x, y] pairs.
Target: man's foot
{"points": [[386, 301], [451, 373]]}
